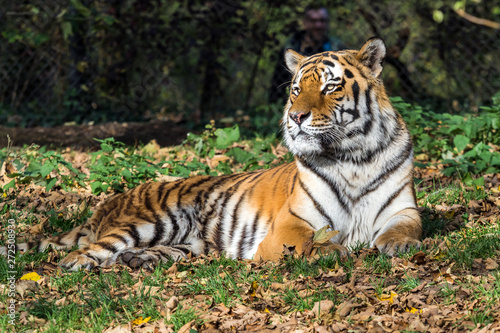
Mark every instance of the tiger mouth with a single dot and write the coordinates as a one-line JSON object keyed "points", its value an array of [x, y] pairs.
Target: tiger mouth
{"points": [[301, 133]]}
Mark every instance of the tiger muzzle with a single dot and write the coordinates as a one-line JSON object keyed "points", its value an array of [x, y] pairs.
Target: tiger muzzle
{"points": [[299, 117]]}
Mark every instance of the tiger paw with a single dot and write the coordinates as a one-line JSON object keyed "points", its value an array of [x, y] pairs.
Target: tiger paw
{"points": [[393, 246], [342, 251], [75, 261], [136, 259]]}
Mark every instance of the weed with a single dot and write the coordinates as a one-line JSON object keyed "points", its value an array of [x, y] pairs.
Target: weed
{"points": [[379, 264], [409, 283]]}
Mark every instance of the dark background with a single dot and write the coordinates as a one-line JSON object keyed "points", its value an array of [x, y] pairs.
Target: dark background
{"points": [[95, 61]]}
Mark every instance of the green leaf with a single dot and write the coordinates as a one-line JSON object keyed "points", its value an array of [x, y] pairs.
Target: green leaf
{"points": [[46, 169], [239, 155], [67, 29], [127, 174], [106, 148], [461, 142], [84, 11], [50, 184], [10, 184], [226, 137], [96, 187]]}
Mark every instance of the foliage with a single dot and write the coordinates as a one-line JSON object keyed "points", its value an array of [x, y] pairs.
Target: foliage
{"points": [[464, 144], [458, 265], [114, 164], [126, 60]]}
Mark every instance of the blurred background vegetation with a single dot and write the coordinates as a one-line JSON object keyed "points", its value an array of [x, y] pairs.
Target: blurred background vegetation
{"points": [[94, 61]]}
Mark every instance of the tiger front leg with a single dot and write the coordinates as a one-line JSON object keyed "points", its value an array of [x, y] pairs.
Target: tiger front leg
{"points": [[405, 232], [100, 253]]}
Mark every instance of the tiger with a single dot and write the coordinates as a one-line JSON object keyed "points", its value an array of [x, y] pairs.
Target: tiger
{"points": [[352, 172]]}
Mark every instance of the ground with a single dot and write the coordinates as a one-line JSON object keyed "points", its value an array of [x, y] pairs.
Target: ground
{"points": [[451, 284], [166, 133]]}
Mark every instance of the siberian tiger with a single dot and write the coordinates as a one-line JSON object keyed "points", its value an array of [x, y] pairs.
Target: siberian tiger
{"points": [[352, 172]]}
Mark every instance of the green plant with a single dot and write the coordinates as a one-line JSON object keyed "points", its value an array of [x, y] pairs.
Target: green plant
{"points": [[465, 144], [114, 166], [409, 282]]}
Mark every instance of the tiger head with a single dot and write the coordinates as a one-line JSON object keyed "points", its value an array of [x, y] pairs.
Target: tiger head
{"points": [[337, 101]]}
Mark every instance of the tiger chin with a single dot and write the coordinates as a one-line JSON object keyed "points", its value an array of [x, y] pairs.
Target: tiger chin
{"points": [[352, 172]]}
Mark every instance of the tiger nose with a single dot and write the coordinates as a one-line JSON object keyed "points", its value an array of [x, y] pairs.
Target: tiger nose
{"points": [[299, 117]]}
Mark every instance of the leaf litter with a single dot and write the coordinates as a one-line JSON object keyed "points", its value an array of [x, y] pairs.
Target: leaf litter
{"points": [[346, 295]]}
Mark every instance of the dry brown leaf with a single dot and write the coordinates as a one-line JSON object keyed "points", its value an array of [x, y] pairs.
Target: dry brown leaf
{"points": [[490, 264], [172, 303]]}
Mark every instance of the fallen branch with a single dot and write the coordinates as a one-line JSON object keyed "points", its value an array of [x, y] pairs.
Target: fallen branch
{"points": [[477, 20]]}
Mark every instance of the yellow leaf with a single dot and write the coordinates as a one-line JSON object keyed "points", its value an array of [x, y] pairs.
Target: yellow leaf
{"points": [[322, 235], [33, 276], [253, 288], [440, 255], [389, 298], [266, 310], [4, 195], [140, 321], [413, 310], [449, 214]]}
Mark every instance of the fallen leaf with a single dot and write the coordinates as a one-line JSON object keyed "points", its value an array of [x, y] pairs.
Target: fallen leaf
{"points": [[322, 307], [491, 264], [323, 236], [172, 303], [413, 310], [33, 276], [140, 321], [385, 297]]}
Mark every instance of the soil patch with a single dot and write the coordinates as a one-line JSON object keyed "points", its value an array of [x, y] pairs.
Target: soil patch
{"points": [[166, 133]]}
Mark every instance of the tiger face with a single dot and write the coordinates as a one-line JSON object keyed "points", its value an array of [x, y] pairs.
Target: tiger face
{"points": [[326, 112]]}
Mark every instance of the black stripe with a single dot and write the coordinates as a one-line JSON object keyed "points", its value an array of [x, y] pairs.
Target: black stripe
{"points": [[331, 185], [183, 250], [317, 205], [300, 218], [164, 199], [235, 212], [119, 237], [96, 259], [348, 74], [228, 195], [369, 121], [257, 176], [328, 63], [107, 246], [159, 233], [386, 173], [203, 180], [166, 208], [149, 206], [294, 181], [179, 196], [78, 236], [134, 234], [240, 243], [390, 200], [254, 228]]}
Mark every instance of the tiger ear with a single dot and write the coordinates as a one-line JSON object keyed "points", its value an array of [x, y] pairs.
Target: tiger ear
{"points": [[292, 60], [372, 54]]}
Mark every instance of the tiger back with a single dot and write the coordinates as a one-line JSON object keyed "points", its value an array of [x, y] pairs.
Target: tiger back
{"points": [[352, 172]]}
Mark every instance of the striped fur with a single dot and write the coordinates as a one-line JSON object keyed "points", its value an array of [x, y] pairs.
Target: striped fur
{"points": [[353, 172]]}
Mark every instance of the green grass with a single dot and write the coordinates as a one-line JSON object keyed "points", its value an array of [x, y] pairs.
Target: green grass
{"points": [[471, 243], [409, 283], [99, 298], [378, 264]]}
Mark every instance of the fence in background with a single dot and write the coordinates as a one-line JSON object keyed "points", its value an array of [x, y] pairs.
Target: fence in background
{"points": [[83, 60]]}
